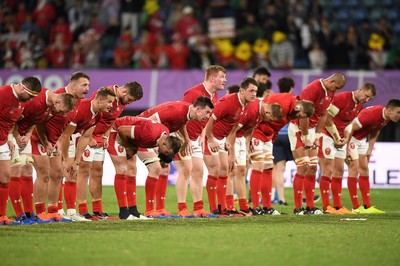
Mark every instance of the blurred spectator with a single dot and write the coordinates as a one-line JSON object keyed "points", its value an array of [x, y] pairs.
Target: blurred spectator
{"points": [[8, 55], [393, 60], [56, 53], [97, 25], [339, 57], [37, 46], [251, 31], [175, 14], [224, 50], [186, 25], [220, 8], [376, 52], [27, 25], [314, 10], [317, 57], [200, 50], [43, 16], [243, 55], [77, 58], [76, 18], [160, 53], [261, 49], [110, 10], [123, 53], [353, 46], [178, 53], [131, 11], [91, 48], [63, 28], [383, 30], [24, 57], [282, 52], [21, 15], [154, 23], [143, 57], [270, 19]]}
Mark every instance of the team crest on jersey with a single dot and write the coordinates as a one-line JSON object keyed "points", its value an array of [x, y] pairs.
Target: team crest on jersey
{"points": [[86, 153], [327, 151], [120, 148], [352, 145]]}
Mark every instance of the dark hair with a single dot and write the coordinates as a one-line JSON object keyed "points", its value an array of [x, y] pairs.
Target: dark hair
{"points": [[32, 83], [285, 84], [233, 88], [68, 100], [308, 107], [247, 81], [174, 143], [134, 89], [393, 103], [262, 87], [203, 101], [77, 75], [103, 92], [261, 71]]}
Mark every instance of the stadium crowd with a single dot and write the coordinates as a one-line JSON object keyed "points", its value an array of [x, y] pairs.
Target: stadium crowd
{"points": [[65, 136], [174, 34]]}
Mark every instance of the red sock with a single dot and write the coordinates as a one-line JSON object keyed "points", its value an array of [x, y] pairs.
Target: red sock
{"points": [[243, 205], [363, 182], [221, 191], [324, 187], [230, 202], [40, 207], [336, 186], [266, 188], [182, 206], [120, 189], [352, 187], [27, 193], [131, 190], [161, 191], [60, 197], [70, 194], [83, 208], [211, 187], [309, 188], [198, 205], [3, 199], [150, 191], [255, 187], [298, 185], [52, 209], [97, 206], [14, 190]]}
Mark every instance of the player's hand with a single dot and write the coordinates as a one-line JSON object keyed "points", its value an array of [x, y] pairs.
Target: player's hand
{"points": [[22, 142], [105, 144], [231, 162], [49, 149], [189, 147], [213, 146], [73, 171], [340, 144], [92, 143], [308, 144], [11, 146]]}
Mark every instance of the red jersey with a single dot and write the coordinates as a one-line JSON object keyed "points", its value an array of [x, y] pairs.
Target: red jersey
{"points": [[173, 115], [195, 127], [36, 111], [10, 111], [227, 113], [251, 118], [146, 133], [57, 123], [265, 131], [371, 119], [85, 118], [320, 96], [107, 117], [346, 109]]}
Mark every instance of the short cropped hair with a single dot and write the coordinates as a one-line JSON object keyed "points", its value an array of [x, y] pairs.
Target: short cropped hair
{"points": [[213, 70], [393, 103], [262, 87], [247, 81], [68, 100], [276, 111], [203, 101], [32, 83], [370, 87], [285, 84], [134, 89], [308, 107], [261, 71], [77, 75], [103, 92], [174, 143], [233, 88]]}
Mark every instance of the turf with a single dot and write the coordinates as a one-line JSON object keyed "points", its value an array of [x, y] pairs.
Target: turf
{"points": [[261, 240]]}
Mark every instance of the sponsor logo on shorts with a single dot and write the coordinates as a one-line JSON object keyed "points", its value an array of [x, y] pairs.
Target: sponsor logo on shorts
{"points": [[256, 142], [352, 145], [86, 153], [120, 148]]}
